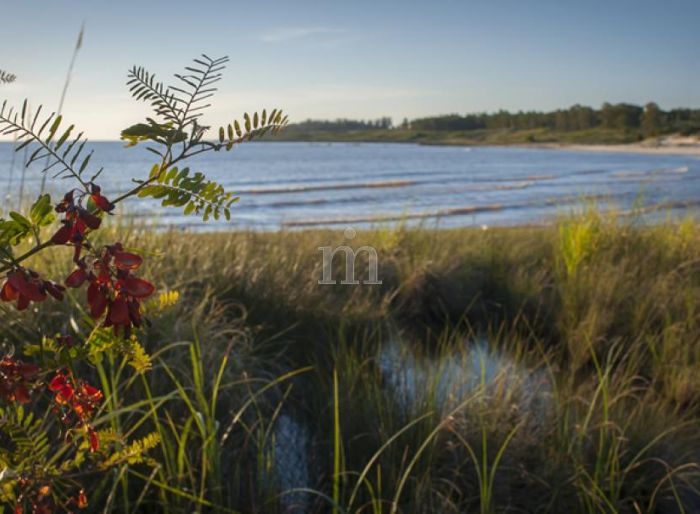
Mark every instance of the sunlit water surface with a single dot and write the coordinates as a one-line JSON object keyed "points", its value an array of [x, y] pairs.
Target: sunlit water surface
{"points": [[315, 184]]}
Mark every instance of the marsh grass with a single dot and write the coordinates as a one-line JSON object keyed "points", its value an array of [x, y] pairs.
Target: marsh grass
{"points": [[592, 405]]}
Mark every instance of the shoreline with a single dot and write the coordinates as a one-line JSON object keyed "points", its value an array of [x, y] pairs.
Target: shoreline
{"points": [[691, 150], [636, 148]]}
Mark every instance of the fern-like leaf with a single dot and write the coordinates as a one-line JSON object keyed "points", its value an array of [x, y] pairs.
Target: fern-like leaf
{"points": [[30, 442], [178, 188], [133, 453], [179, 135], [253, 127], [143, 86], [180, 105], [196, 86], [63, 154]]}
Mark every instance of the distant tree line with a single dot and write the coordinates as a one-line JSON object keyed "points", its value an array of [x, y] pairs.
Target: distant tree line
{"points": [[343, 124], [649, 120]]}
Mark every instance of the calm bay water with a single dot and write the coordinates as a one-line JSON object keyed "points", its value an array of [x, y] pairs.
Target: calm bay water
{"points": [[320, 184]]}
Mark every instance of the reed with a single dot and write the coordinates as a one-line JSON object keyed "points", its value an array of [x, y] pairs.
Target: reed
{"points": [[526, 369]]}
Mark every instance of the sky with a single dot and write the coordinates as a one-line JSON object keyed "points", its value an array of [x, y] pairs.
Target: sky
{"points": [[355, 59]]}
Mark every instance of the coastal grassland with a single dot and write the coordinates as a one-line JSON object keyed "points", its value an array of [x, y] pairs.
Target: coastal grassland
{"points": [[525, 369], [476, 137]]}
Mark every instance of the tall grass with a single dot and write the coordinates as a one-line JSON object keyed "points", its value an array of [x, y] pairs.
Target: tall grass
{"points": [[529, 369]]}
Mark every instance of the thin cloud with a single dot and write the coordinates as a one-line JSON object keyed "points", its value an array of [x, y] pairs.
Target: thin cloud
{"points": [[284, 34]]}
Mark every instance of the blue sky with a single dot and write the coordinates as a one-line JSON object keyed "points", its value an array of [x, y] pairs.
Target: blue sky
{"points": [[357, 59]]}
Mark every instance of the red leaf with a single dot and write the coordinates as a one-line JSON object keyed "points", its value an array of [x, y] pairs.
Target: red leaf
{"points": [[91, 220], [54, 290], [65, 394], [62, 236], [138, 287], [76, 253], [28, 371], [26, 287], [8, 293], [94, 440], [76, 278], [57, 382], [97, 300], [118, 312], [135, 312], [79, 228], [22, 395], [126, 260], [94, 393], [102, 202], [22, 302]]}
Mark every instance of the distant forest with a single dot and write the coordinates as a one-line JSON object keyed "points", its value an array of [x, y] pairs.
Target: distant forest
{"points": [[648, 121]]}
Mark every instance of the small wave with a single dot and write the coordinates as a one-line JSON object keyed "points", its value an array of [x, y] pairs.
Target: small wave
{"points": [[632, 174], [662, 206], [680, 169], [590, 172], [455, 211], [299, 203], [517, 185], [330, 187], [652, 173], [536, 178], [377, 198], [529, 178], [484, 187]]}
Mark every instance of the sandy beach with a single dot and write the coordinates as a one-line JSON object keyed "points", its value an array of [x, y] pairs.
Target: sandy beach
{"points": [[673, 145]]}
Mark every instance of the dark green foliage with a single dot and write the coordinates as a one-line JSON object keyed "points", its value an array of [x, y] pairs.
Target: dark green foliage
{"points": [[653, 119], [343, 124], [612, 123], [618, 116]]}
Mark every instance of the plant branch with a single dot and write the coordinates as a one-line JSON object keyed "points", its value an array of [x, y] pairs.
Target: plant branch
{"points": [[26, 255], [32, 136]]}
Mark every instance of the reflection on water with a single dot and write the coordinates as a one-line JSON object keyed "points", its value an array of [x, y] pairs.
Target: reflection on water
{"points": [[416, 384], [292, 466], [449, 380]]}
